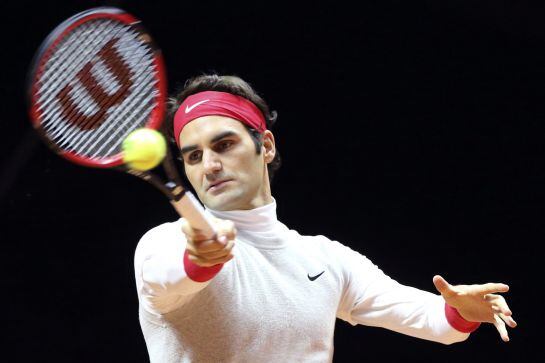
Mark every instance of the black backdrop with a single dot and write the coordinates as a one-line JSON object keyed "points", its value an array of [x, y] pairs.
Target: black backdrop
{"points": [[411, 131]]}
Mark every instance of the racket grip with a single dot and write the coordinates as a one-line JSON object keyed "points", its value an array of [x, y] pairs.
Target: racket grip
{"points": [[189, 208]]}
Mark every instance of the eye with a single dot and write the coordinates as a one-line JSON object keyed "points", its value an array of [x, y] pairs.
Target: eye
{"points": [[194, 156], [224, 145]]}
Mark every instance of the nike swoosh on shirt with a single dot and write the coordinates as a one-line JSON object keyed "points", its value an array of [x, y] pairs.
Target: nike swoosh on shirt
{"points": [[189, 108], [312, 278]]}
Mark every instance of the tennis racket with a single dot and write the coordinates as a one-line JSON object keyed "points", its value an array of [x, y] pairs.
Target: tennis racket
{"points": [[96, 78]]}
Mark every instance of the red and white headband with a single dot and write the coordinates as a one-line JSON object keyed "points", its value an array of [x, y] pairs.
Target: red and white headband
{"points": [[210, 103]]}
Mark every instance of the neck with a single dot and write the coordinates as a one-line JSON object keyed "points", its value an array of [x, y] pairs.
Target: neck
{"points": [[263, 197], [258, 227]]}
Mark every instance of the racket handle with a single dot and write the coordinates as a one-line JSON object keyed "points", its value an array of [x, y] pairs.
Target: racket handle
{"points": [[189, 208]]}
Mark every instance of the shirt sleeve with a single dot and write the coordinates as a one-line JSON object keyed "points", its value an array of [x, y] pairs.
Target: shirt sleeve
{"points": [[165, 278], [372, 298]]}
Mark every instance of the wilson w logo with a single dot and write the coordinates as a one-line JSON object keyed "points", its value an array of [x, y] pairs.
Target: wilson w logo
{"points": [[102, 99]]}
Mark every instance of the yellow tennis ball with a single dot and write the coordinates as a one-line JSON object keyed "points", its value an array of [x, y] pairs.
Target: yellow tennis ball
{"points": [[144, 149]]}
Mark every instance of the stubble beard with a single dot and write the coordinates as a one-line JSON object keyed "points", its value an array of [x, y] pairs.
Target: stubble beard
{"points": [[229, 199]]}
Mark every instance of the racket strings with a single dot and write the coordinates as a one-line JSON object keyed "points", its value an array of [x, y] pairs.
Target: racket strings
{"points": [[113, 92], [133, 118], [118, 130], [101, 96], [130, 117], [73, 55], [67, 56], [98, 111], [50, 113]]}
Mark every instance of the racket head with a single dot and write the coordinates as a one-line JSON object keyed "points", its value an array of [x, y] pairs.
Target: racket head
{"points": [[96, 77]]}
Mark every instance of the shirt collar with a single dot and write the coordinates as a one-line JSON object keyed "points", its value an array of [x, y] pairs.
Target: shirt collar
{"points": [[259, 226]]}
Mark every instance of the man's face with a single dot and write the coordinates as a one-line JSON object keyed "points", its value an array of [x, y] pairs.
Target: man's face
{"points": [[222, 165]]}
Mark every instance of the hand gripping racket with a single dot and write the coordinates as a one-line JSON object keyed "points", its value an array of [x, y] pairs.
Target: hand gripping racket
{"points": [[96, 78]]}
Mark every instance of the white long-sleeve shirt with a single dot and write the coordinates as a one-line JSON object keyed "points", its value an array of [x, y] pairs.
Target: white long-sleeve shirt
{"points": [[276, 301]]}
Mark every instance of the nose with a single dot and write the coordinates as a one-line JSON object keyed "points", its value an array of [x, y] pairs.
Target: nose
{"points": [[211, 162]]}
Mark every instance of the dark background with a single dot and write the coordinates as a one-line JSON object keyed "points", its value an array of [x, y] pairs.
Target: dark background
{"points": [[411, 131]]}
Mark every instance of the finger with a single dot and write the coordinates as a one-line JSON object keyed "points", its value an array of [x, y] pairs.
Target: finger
{"points": [[226, 228], [496, 309], [508, 320], [218, 254], [498, 304], [223, 239], [197, 247], [208, 246], [205, 255], [491, 288], [442, 286], [186, 228], [221, 226], [500, 327]]}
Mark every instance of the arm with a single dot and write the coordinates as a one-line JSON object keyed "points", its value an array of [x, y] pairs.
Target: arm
{"points": [[372, 298], [170, 266]]}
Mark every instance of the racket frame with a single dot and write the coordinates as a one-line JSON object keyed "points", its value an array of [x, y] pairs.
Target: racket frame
{"points": [[181, 199], [43, 54]]}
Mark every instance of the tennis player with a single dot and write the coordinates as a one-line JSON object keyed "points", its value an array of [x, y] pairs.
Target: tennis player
{"points": [[260, 291]]}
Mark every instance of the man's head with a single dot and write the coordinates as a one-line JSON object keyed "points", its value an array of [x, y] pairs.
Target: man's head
{"points": [[228, 152]]}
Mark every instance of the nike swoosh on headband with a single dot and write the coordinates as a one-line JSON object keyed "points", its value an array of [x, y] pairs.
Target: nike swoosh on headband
{"points": [[189, 108]]}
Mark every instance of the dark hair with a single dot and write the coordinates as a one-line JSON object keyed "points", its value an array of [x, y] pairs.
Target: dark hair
{"points": [[230, 84]]}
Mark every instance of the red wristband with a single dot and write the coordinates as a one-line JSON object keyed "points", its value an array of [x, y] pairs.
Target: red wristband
{"points": [[458, 322], [199, 273]]}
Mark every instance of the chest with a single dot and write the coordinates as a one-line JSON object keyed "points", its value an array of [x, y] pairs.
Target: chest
{"points": [[260, 293]]}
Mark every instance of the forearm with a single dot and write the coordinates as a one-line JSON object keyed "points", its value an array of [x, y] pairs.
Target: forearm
{"points": [[169, 282], [408, 311], [165, 277]]}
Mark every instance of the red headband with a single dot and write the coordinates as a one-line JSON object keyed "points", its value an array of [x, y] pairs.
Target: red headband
{"points": [[217, 103]]}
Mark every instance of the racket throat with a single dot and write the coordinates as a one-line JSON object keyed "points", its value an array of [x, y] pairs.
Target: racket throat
{"points": [[176, 192]]}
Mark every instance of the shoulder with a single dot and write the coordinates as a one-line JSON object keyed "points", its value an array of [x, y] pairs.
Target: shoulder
{"points": [[332, 250], [164, 230], [320, 244], [161, 238], [317, 242]]}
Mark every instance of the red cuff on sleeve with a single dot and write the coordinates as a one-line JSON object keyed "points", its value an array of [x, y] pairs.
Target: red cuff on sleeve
{"points": [[198, 273], [458, 322]]}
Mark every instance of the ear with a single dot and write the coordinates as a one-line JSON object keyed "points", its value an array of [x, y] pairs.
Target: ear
{"points": [[269, 149]]}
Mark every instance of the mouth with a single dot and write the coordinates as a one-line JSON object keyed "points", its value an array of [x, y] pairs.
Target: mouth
{"points": [[217, 185]]}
